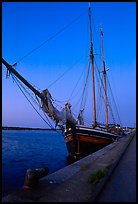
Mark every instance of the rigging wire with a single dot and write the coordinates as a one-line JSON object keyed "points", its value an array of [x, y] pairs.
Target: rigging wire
{"points": [[82, 105], [111, 111], [100, 100], [70, 68], [114, 101], [17, 82], [87, 121], [67, 100], [82, 99], [62, 74], [55, 100], [81, 74], [101, 85], [50, 38], [108, 99]]}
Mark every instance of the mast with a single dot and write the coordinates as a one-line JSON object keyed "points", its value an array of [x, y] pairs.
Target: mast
{"points": [[92, 60], [104, 74]]}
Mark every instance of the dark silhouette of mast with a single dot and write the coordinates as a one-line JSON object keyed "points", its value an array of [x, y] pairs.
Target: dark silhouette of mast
{"points": [[12, 70], [92, 60], [104, 74]]}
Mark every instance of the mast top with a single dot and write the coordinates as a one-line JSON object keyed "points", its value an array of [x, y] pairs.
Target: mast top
{"points": [[101, 32]]}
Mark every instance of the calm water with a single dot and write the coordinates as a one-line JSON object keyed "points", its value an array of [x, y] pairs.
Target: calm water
{"points": [[24, 149]]}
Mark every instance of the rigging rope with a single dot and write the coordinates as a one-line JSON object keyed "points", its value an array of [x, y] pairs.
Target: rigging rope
{"points": [[101, 85], [110, 108], [15, 79], [50, 38], [70, 68], [70, 97], [114, 102], [76, 85], [82, 105]]}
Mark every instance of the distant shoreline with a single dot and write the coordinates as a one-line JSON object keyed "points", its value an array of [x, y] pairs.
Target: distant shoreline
{"points": [[26, 128]]}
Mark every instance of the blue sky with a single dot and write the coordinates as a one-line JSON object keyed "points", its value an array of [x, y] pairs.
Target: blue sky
{"points": [[26, 25]]}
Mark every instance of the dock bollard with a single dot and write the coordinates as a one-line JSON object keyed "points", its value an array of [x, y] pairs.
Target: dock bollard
{"points": [[33, 175]]}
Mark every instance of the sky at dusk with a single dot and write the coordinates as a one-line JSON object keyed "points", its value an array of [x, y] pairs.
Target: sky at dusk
{"points": [[64, 27]]}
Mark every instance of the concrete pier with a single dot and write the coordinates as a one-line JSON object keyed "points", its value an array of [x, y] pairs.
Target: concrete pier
{"points": [[122, 183], [73, 184]]}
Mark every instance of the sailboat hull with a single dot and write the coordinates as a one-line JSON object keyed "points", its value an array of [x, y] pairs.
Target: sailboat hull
{"points": [[83, 141]]}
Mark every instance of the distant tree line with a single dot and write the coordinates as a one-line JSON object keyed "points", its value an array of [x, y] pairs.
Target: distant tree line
{"points": [[24, 128]]}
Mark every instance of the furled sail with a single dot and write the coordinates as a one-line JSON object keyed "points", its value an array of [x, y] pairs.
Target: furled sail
{"points": [[58, 116]]}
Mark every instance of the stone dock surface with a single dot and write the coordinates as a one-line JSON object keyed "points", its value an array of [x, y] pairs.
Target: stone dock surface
{"points": [[73, 184], [122, 183]]}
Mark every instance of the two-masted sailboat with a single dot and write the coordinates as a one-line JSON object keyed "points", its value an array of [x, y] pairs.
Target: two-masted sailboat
{"points": [[80, 139]]}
